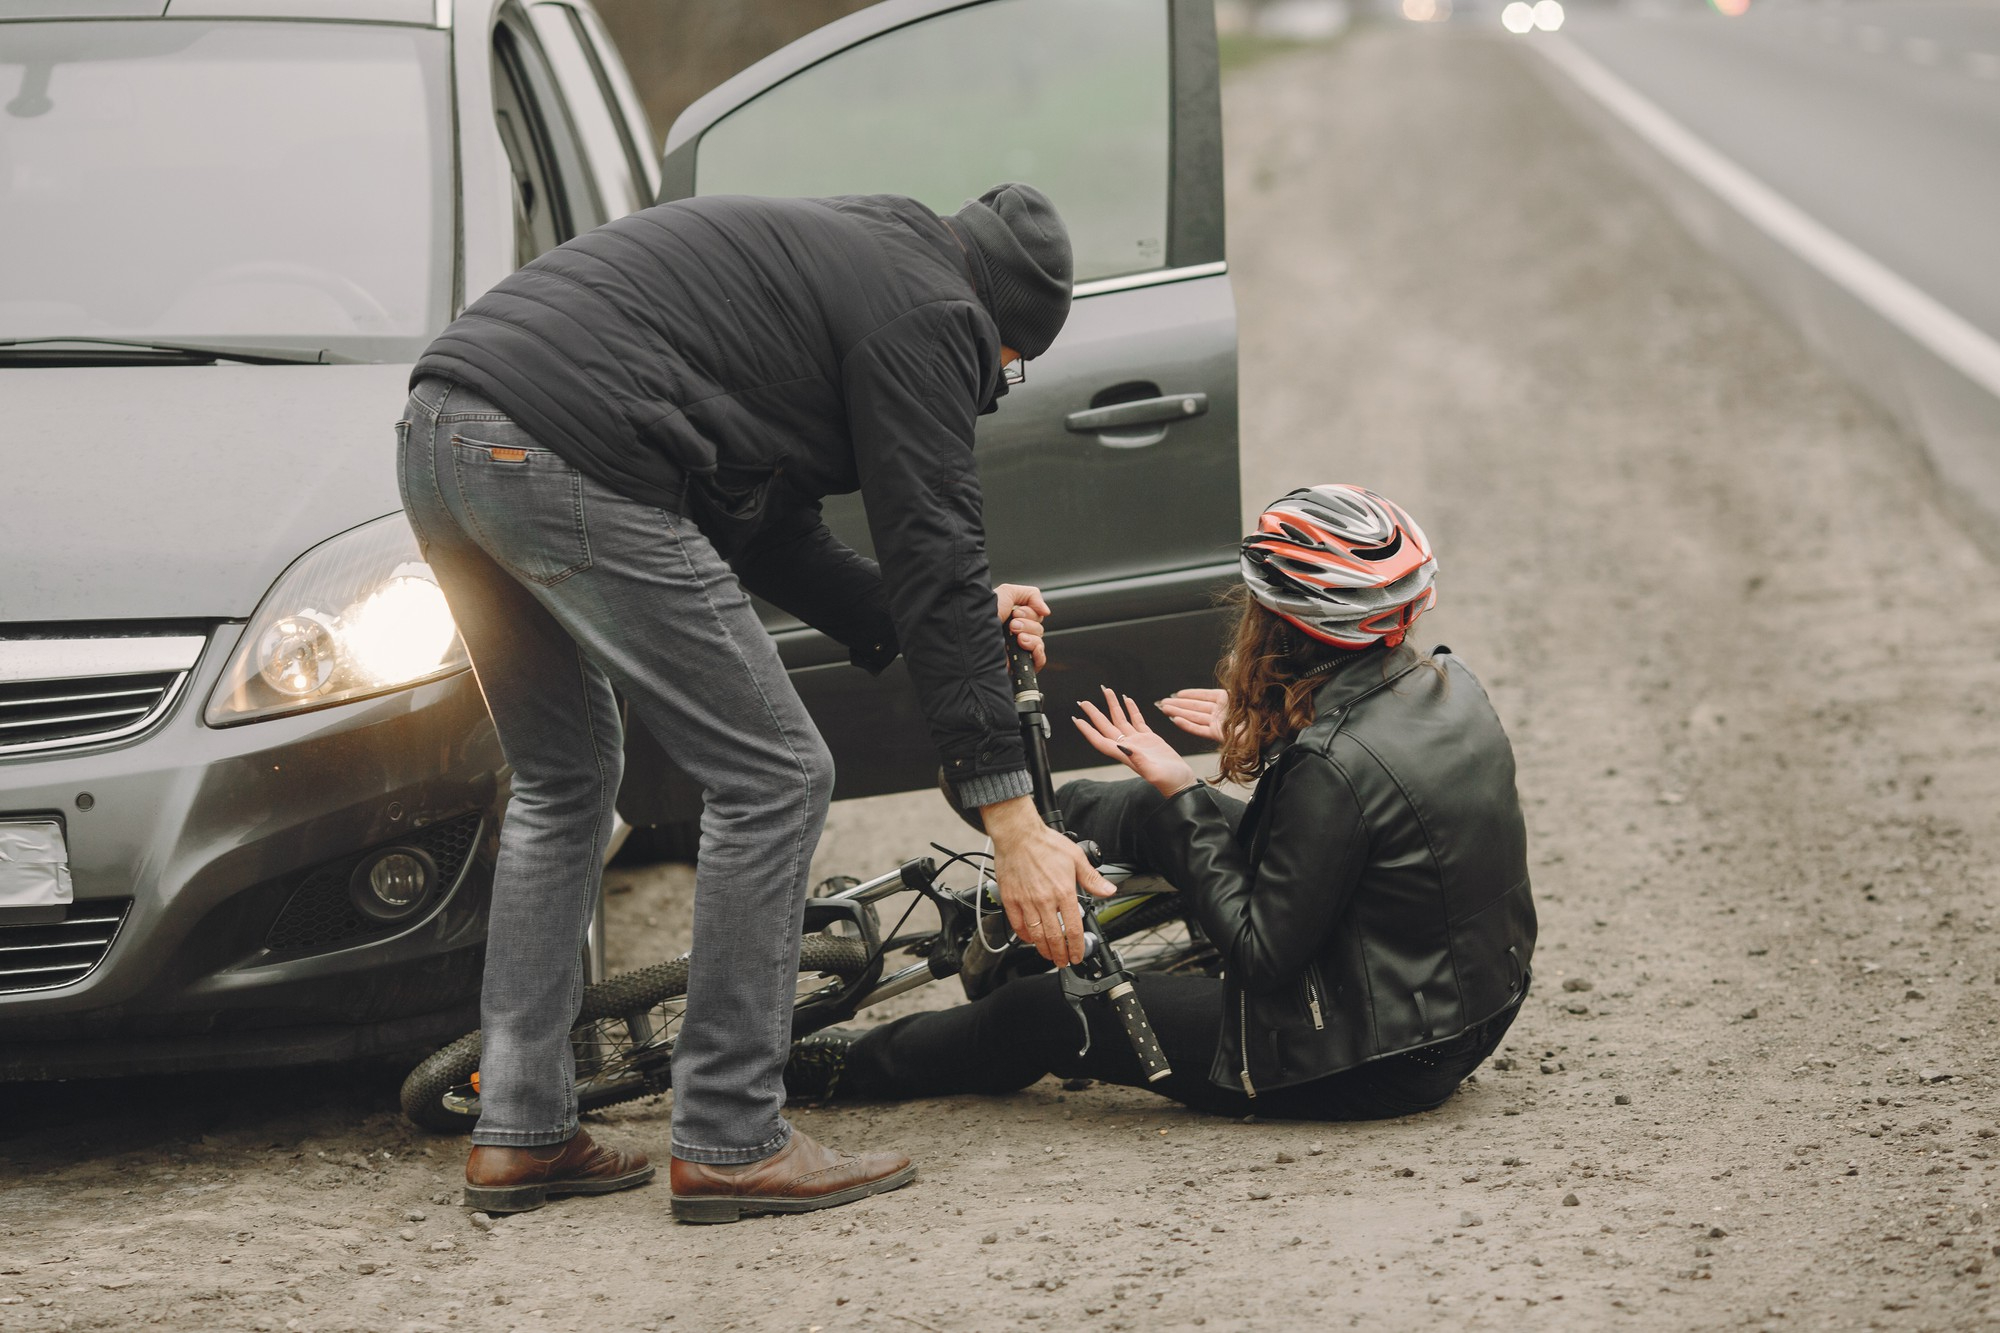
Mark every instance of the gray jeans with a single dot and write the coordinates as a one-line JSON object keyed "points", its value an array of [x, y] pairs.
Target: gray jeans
{"points": [[564, 589]]}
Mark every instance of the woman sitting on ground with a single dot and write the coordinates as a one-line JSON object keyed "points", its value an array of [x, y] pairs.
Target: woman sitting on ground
{"points": [[1370, 905]]}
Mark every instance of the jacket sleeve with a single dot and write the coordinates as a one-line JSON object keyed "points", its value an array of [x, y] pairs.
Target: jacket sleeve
{"points": [[1267, 920], [800, 567], [914, 388]]}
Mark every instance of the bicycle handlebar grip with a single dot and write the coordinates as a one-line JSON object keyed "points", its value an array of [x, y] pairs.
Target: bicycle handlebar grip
{"points": [[1021, 669], [1125, 1003]]}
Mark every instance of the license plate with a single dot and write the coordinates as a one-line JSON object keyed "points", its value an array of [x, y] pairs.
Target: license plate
{"points": [[34, 871]]}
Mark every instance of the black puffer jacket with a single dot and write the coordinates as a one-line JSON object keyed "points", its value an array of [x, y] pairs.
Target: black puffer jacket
{"points": [[738, 359], [1374, 897]]}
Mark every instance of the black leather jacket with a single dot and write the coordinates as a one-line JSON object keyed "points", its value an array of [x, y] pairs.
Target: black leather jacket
{"points": [[1374, 897]]}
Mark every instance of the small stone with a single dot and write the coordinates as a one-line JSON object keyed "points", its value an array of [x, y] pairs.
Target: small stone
{"points": [[1470, 1177], [408, 1233], [1315, 1148], [1934, 1075], [1550, 1066], [1913, 994], [990, 1238], [1077, 1084], [1403, 1171], [1296, 1240], [1218, 1228], [416, 1215], [442, 1246], [1470, 1220], [1621, 1100], [1578, 983], [1571, 1201], [1510, 1161], [1260, 1194], [1716, 1233], [1751, 1012], [483, 1221], [1505, 1062], [364, 1268], [1576, 1007], [1285, 1159]]}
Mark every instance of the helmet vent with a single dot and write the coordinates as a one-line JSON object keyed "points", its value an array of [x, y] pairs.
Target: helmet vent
{"points": [[1394, 545]]}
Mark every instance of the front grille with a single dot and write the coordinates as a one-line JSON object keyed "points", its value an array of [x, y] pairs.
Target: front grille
{"points": [[42, 714], [320, 915], [55, 954], [56, 694]]}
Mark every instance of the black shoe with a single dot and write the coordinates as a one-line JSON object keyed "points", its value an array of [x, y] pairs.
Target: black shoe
{"points": [[813, 1072]]}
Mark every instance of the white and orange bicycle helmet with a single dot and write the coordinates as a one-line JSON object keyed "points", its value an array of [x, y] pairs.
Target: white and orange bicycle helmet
{"points": [[1342, 564]]}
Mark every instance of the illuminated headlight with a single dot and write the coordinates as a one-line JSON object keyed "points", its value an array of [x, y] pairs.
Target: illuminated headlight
{"points": [[355, 616]]}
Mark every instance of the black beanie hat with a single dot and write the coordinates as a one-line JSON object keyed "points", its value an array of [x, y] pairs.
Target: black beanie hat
{"points": [[1025, 249]]}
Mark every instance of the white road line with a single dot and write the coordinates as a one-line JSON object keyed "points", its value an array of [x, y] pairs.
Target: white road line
{"points": [[1945, 334]]}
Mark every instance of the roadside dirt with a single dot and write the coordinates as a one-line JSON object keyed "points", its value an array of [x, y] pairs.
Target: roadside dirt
{"points": [[1748, 667]]}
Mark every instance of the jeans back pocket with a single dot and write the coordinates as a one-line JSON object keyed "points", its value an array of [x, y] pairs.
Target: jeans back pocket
{"points": [[523, 504]]}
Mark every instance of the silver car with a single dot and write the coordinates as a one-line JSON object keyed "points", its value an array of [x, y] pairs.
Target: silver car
{"points": [[248, 790]]}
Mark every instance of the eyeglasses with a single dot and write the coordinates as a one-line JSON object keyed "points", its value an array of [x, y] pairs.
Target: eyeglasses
{"points": [[1015, 372]]}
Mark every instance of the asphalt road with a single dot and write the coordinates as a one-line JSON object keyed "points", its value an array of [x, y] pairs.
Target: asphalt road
{"points": [[1748, 667], [1880, 121]]}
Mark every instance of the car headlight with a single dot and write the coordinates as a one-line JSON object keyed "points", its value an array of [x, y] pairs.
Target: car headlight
{"points": [[355, 616]]}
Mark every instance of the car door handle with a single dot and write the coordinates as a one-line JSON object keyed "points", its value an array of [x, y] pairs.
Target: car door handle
{"points": [[1144, 412]]}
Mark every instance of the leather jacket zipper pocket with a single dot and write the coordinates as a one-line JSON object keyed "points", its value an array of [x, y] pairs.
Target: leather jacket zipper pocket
{"points": [[1243, 1039], [1312, 1002]]}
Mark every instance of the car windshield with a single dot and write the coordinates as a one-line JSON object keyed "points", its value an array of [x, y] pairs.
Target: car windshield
{"points": [[226, 183]]}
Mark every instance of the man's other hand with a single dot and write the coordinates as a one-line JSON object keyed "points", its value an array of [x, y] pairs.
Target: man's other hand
{"points": [[1039, 872], [1023, 609]]}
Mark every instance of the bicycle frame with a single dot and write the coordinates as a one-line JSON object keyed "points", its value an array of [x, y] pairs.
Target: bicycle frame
{"points": [[1099, 974]]}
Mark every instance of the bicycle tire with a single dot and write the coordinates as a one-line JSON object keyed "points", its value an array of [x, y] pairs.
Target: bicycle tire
{"points": [[432, 1096]]}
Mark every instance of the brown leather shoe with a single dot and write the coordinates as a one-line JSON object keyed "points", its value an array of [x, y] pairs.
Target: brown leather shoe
{"points": [[514, 1180], [798, 1178]]}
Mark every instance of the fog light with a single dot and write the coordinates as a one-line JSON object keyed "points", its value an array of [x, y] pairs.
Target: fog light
{"points": [[394, 883]]}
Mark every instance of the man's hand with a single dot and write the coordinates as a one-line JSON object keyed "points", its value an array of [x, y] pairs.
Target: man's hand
{"points": [[1024, 609], [1120, 734], [1197, 712], [1039, 871]]}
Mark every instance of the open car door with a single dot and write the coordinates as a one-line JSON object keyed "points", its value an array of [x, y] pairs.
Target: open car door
{"points": [[1110, 476]]}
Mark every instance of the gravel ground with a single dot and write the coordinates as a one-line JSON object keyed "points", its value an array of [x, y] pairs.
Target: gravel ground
{"points": [[1747, 665]]}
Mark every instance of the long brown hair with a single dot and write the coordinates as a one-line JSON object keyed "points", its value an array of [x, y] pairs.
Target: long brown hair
{"points": [[1270, 673]]}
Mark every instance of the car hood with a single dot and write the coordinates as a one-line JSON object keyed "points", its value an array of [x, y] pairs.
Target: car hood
{"points": [[182, 492]]}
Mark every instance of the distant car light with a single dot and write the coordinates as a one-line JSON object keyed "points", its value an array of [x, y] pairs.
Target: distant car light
{"points": [[1548, 15], [1518, 18], [391, 629]]}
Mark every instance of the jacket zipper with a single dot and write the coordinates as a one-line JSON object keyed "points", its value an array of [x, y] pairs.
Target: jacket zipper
{"points": [[1312, 1003], [1243, 1038]]}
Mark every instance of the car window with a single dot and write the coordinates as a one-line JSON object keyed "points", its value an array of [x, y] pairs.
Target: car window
{"points": [[236, 182], [614, 158], [1071, 96], [554, 196]]}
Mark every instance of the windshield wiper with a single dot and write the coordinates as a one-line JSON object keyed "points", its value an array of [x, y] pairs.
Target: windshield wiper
{"points": [[256, 354]]}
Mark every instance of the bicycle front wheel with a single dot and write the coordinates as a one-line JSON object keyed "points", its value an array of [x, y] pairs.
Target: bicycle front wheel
{"points": [[623, 1040]]}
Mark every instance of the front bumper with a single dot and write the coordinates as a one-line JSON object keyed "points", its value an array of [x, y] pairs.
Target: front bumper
{"points": [[212, 834]]}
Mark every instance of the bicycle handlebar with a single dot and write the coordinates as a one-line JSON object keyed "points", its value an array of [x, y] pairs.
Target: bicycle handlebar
{"points": [[1100, 972]]}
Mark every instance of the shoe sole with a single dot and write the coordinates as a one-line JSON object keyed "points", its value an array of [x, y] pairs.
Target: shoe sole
{"points": [[708, 1209], [527, 1198]]}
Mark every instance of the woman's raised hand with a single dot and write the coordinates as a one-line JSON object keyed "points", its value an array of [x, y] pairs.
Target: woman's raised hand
{"points": [[1119, 733], [1197, 712]]}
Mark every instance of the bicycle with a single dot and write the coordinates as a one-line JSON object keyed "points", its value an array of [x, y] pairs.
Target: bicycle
{"points": [[625, 1030]]}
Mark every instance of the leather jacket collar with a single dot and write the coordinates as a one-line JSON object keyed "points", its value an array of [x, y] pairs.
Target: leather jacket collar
{"points": [[1363, 672]]}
